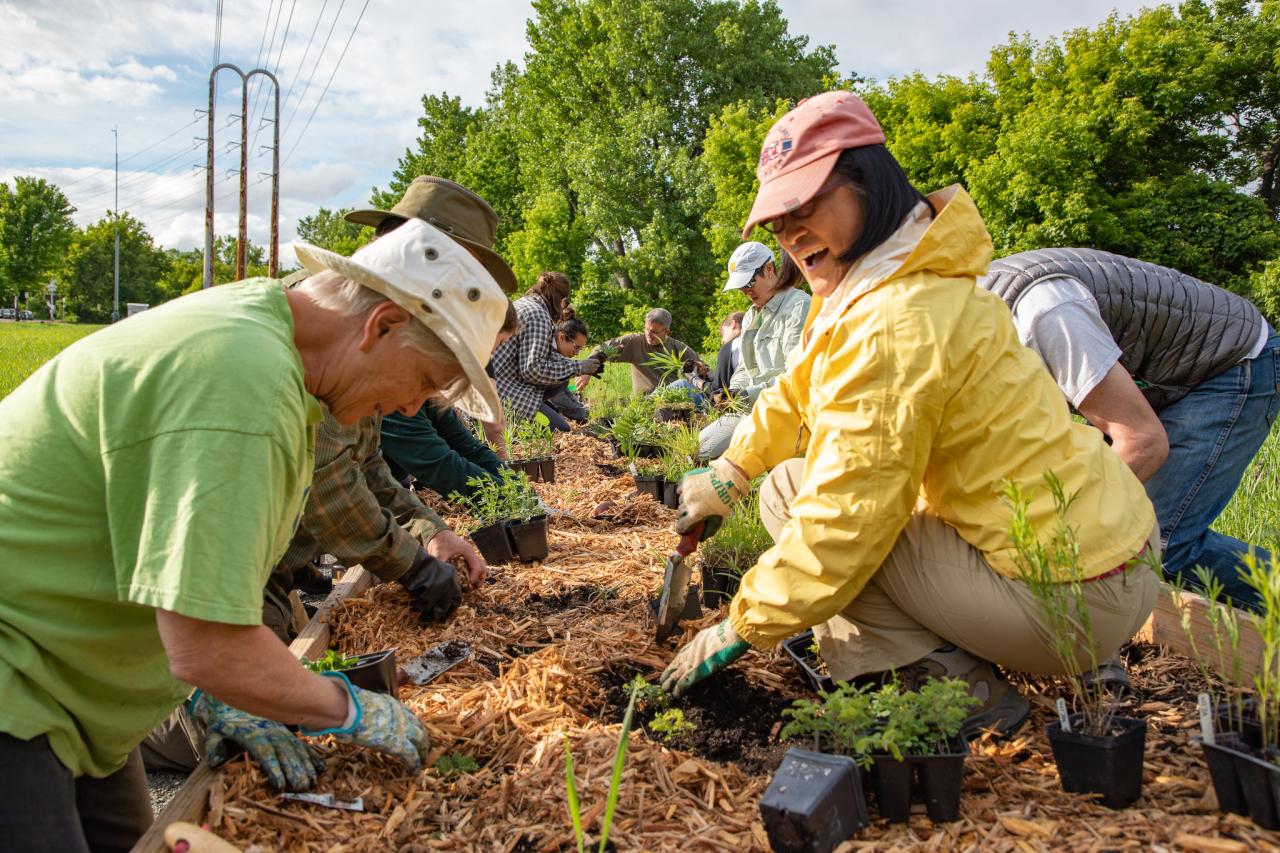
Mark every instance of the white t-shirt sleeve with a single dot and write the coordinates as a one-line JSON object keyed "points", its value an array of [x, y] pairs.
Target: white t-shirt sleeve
{"points": [[1060, 321]]}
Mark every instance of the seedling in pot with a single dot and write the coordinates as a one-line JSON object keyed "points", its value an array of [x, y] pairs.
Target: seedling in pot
{"points": [[734, 549], [1096, 751], [331, 661], [669, 366]]}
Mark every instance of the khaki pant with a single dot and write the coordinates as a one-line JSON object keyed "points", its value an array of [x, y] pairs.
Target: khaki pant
{"points": [[935, 588]]}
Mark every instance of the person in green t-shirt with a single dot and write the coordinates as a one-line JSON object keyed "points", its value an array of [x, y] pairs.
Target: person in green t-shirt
{"points": [[152, 475]]}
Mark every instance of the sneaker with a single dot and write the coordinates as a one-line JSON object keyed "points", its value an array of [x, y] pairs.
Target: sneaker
{"points": [[1003, 708], [1111, 676]]}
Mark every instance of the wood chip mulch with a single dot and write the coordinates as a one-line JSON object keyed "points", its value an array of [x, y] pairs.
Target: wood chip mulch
{"points": [[554, 642]]}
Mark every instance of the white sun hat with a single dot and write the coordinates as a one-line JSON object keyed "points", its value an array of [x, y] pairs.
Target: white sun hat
{"points": [[444, 287], [744, 262]]}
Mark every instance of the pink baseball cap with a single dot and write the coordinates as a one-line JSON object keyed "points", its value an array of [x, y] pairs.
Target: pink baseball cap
{"points": [[802, 147]]}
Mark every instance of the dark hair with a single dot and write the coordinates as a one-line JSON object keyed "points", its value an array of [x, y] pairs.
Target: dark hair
{"points": [[511, 322], [571, 328], [886, 194], [788, 272], [387, 225], [553, 288], [735, 318]]}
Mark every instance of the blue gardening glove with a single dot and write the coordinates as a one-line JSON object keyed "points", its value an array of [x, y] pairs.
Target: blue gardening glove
{"points": [[710, 651], [286, 761], [382, 723], [708, 494]]}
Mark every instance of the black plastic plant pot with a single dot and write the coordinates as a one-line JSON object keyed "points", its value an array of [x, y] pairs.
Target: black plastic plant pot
{"points": [[374, 671], [651, 485], [667, 414], [1220, 759], [1242, 719], [814, 802], [719, 585], [934, 780], [547, 469], [531, 468], [530, 538], [798, 648], [1260, 781], [615, 449], [671, 494], [494, 543], [648, 451], [1109, 765]]}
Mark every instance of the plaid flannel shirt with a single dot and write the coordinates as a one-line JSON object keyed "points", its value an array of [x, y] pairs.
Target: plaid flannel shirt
{"points": [[357, 511], [528, 363]]}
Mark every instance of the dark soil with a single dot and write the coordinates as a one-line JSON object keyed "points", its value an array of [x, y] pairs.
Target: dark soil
{"points": [[737, 721], [585, 597], [611, 470]]}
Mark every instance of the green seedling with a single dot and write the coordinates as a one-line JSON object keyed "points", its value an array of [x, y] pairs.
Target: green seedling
{"points": [[648, 696], [1051, 570], [1264, 578], [455, 764], [671, 724], [509, 498], [331, 661], [667, 364], [741, 540], [615, 783], [1223, 658], [862, 721]]}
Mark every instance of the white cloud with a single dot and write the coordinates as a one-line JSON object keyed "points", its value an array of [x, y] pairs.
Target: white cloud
{"points": [[71, 70]]}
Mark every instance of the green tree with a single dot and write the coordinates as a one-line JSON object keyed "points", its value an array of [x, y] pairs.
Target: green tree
{"points": [[328, 230], [35, 231], [88, 269]]}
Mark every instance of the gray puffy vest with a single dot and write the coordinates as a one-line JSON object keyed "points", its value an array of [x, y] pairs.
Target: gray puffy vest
{"points": [[1174, 331]]}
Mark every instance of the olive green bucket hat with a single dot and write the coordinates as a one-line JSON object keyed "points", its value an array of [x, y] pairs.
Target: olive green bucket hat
{"points": [[453, 209]]}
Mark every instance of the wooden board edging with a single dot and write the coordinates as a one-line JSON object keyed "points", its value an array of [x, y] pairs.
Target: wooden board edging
{"points": [[192, 798], [1164, 628]]}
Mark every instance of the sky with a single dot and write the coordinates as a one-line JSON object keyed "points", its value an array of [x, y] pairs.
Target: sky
{"points": [[352, 74]]}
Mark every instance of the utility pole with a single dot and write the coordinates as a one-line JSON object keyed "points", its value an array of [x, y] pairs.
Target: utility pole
{"points": [[115, 216], [242, 243]]}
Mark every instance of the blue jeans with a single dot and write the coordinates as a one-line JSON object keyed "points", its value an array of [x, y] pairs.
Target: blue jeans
{"points": [[699, 399], [1214, 433]]}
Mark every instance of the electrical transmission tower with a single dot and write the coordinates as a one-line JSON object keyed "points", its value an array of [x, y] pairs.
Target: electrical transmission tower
{"points": [[242, 242]]}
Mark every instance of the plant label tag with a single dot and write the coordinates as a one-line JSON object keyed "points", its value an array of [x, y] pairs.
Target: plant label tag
{"points": [[631, 466], [1206, 718], [1063, 718]]}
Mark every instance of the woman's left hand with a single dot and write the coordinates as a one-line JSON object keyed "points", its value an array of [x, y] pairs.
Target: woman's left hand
{"points": [[706, 654]]}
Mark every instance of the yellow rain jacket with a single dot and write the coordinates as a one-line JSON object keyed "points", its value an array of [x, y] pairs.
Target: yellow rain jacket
{"points": [[920, 389]]}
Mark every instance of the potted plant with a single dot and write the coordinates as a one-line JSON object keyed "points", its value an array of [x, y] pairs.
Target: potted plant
{"points": [[519, 454], [734, 549], [674, 467], [374, 671], [803, 648], [671, 404], [909, 740], [1097, 751], [1242, 742], [507, 516], [648, 477], [540, 446], [634, 431]]}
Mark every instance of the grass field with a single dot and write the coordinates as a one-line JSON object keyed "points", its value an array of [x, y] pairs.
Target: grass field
{"points": [[26, 346], [1253, 514]]}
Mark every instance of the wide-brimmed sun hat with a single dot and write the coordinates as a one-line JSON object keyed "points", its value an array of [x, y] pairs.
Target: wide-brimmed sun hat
{"points": [[802, 147], [454, 209], [421, 269]]}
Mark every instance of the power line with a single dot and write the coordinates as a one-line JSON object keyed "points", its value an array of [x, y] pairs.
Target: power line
{"points": [[140, 151], [307, 52], [140, 175], [217, 37], [303, 97], [261, 83], [320, 100], [257, 128]]}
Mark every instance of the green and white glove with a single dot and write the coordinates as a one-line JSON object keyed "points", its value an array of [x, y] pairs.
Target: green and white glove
{"points": [[287, 762], [710, 651], [708, 494], [381, 722]]}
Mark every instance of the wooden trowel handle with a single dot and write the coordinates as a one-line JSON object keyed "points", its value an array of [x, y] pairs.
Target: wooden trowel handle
{"points": [[689, 541]]}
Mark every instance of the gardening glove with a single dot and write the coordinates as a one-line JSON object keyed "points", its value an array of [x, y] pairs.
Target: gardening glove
{"points": [[380, 722], [707, 494], [710, 651], [286, 761], [590, 366], [432, 586]]}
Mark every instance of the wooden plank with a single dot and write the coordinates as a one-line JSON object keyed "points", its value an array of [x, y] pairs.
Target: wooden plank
{"points": [[193, 797], [1164, 628]]}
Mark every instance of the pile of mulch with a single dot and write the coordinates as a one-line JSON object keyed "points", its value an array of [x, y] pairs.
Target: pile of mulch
{"points": [[555, 642]]}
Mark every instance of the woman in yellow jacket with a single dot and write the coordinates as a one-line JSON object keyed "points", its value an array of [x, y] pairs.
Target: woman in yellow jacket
{"points": [[908, 405]]}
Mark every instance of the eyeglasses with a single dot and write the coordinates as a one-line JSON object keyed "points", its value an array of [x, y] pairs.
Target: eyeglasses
{"points": [[804, 211], [577, 347]]}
